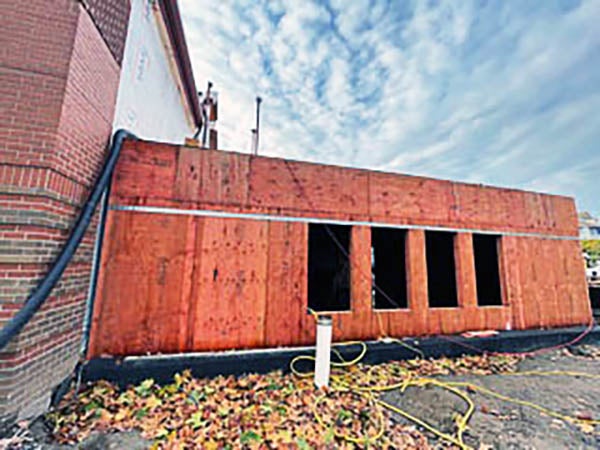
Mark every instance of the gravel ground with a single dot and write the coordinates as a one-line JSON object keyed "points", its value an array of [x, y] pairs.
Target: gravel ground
{"points": [[500, 425]]}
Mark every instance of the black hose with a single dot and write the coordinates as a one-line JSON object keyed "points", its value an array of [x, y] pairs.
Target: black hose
{"points": [[42, 291]]}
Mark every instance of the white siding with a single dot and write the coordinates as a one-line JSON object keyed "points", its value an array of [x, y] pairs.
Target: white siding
{"points": [[150, 100]]}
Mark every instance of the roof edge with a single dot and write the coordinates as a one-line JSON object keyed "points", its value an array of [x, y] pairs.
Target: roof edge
{"points": [[172, 18]]}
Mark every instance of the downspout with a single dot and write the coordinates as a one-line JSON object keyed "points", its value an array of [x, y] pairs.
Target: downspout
{"points": [[42, 291]]}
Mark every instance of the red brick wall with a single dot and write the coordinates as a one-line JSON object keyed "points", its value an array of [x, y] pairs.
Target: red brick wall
{"points": [[58, 84]]}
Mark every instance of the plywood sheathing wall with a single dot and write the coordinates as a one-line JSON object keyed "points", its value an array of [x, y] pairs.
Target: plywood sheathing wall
{"points": [[172, 283]]}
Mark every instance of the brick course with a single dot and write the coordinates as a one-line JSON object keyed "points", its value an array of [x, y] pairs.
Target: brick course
{"points": [[59, 74]]}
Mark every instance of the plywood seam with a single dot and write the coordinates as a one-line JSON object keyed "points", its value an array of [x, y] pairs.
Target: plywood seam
{"points": [[192, 294]]}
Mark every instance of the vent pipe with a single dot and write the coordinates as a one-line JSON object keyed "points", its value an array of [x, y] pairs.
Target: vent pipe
{"points": [[212, 121], [256, 130], [323, 357]]}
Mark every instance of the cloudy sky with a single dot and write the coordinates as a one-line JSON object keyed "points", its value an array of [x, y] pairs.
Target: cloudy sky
{"points": [[495, 92]]}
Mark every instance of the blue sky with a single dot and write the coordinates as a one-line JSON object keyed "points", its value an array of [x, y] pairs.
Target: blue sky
{"points": [[496, 92]]}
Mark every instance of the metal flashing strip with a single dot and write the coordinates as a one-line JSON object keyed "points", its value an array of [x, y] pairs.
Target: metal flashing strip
{"points": [[274, 218]]}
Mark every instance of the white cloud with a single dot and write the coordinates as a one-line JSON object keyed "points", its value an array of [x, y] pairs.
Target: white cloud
{"points": [[499, 93]]}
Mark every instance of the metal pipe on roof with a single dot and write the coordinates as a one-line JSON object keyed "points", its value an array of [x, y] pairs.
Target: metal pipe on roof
{"points": [[256, 130]]}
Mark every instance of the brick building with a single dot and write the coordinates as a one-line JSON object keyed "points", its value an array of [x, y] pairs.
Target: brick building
{"points": [[70, 74]]}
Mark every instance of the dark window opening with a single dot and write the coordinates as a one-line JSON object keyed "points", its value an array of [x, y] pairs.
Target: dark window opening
{"points": [[328, 267], [441, 270], [487, 270], [388, 264]]}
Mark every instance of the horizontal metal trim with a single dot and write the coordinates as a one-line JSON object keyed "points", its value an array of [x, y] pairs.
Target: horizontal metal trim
{"points": [[274, 218]]}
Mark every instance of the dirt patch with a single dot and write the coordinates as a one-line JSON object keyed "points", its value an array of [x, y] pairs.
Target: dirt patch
{"points": [[503, 425]]}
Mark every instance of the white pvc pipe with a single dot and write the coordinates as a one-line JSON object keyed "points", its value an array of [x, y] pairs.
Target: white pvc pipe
{"points": [[323, 358]]}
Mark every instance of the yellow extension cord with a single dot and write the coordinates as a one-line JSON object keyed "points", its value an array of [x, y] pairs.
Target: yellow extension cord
{"points": [[344, 383]]}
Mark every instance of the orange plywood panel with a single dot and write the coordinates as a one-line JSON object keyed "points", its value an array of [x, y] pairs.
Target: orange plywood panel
{"points": [[570, 269], [496, 209], [505, 215], [542, 289], [582, 312], [552, 301], [495, 317], [227, 179], [534, 207], [405, 198], [466, 282], [384, 323], [188, 179], [358, 325], [516, 212], [307, 324], [551, 222], [334, 189], [224, 177], [467, 204], [190, 290], [289, 185], [401, 323], [271, 185], [394, 196], [230, 284], [510, 281], [478, 206], [436, 201], [416, 266], [537, 282], [362, 283], [215, 321], [537, 297], [342, 324], [145, 171], [565, 215], [565, 306], [249, 283], [450, 320], [141, 296], [465, 270], [434, 321], [506, 323], [286, 303], [475, 318], [580, 298], [102, 303], [523, 262], [580, 295]]}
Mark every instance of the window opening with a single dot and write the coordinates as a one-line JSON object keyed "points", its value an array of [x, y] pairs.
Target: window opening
{"points": [[487, 270], [329, 267], [388, 265], [441, 269]]}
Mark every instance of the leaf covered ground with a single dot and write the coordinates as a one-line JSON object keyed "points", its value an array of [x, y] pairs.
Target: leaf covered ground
{"points": [[260, 411]]}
